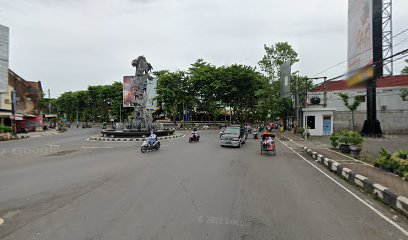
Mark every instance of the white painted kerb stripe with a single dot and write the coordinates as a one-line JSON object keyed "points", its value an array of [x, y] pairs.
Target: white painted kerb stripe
{"points": [[352, 194]]}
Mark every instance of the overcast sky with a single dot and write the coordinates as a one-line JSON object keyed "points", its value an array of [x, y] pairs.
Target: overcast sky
{"points": [[70, 44]]}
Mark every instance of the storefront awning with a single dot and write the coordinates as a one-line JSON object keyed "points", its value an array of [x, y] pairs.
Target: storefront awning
{"points": [[5, 114]]}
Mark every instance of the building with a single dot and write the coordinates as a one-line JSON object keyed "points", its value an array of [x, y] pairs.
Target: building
{"points": [[28, 102], [6, 107], [392, 107]]}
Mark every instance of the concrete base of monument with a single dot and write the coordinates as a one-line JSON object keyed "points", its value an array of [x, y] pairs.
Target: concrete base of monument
{"points": [[133, 139], [134, 133]]}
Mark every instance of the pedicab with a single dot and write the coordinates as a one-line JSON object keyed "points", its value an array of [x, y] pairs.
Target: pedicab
{"points": [[267, 143]]}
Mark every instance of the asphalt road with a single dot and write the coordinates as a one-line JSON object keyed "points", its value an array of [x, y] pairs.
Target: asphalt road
{"points": [[64, 187]]}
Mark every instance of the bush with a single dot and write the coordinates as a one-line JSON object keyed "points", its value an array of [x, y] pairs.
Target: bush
{"points": [[344, 137], [396, 162], [300, 130], [5, 129], [355, 138], [334, 140]]}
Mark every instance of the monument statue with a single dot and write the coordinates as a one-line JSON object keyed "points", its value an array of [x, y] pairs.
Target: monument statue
{"points": [[143, 118]]}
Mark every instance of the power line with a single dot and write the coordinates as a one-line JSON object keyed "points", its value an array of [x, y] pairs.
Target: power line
{"points": [[382, 60], [338, 64]]}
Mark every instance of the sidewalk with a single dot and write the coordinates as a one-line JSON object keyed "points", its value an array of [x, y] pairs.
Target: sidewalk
{"points": [[392, 184], [371, 146], [38, 134]]}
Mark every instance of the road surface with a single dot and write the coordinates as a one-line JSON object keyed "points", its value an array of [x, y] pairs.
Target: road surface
{"points": [[65, 187]]}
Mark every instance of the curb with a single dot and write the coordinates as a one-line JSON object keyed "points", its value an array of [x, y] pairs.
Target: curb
{"points": [[399, 203], [131, 139]]}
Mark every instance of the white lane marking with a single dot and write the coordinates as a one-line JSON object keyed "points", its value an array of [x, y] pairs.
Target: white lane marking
{"points": [[352, 194], [350, 157], [96, 147]]}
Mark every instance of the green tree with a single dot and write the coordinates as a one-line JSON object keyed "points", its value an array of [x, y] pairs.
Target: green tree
{"points": [[351, 106], [405, 70], [173, 91], [270, 102], [276, 55]]}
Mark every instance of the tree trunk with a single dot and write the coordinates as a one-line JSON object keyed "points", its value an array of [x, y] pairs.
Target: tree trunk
{"points": [[352, 120]]}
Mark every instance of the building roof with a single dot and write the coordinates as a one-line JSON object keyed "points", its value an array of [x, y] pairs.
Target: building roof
{"points": [[391, 81]]}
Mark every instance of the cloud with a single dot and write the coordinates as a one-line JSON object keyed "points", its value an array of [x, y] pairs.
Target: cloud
{"points": [[69, 45]]}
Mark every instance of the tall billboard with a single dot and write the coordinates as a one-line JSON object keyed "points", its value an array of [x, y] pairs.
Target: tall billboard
{"points": [[130, 88], [360, 40], [285, 74], [151, 95], [4, 57], [131, 84]]}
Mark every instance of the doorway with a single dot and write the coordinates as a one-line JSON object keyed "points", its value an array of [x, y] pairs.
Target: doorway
{"points": [[327, 125]]}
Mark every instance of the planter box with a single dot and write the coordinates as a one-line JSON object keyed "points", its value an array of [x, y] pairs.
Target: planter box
{"points": [[355, 151], [344, 148]]}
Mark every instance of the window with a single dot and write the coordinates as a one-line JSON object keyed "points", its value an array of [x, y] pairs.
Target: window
{"points": [[310, 120]]}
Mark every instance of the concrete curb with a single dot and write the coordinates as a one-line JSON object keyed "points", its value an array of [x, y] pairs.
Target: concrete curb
{"points": [[132, 139], [399, 203]]}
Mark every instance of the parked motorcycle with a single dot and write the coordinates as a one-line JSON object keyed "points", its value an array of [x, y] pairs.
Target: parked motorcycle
{"points": [[195, 137], [147, 146]]}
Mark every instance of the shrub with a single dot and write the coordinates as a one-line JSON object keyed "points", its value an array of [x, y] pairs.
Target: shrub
{"points": [[334, 140], [355, 138], [396, 162], [300, 130], [5, 129], [344, 137]]}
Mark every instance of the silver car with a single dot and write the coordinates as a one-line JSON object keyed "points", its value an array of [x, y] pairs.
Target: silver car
{"points": [[233, 136]]}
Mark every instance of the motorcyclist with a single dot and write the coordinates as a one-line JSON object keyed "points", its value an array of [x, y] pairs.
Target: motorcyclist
{"points": [[194, 133], [152, 138]]}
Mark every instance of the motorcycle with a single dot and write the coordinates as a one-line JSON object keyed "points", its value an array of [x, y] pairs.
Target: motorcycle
{"points": [[147, 146], [194, 138]]}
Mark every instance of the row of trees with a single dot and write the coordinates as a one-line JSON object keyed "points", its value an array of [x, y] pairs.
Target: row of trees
{"points": [[97, 103], [203, 91], [249, 94]]}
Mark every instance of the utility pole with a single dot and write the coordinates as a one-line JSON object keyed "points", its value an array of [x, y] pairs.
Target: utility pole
{"points": [[325, 92], [14, 105], [307, 98], [120, 112], [77, 120], [372, 126], [49, 101]]}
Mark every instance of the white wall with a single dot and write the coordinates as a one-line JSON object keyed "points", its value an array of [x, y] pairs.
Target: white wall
{"points": [[392, 111], [319, 114]]}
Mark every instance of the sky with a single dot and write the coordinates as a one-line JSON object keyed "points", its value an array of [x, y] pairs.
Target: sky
{"points": [[71, 44]]}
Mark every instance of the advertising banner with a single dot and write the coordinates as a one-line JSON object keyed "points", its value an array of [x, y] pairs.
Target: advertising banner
{"points": [[360, 40], [130, 88], [151, 94], [285, 72], [4, 57]]}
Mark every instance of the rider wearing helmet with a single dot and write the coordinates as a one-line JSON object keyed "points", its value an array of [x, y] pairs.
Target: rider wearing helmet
{"points": [[152, 138]]}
